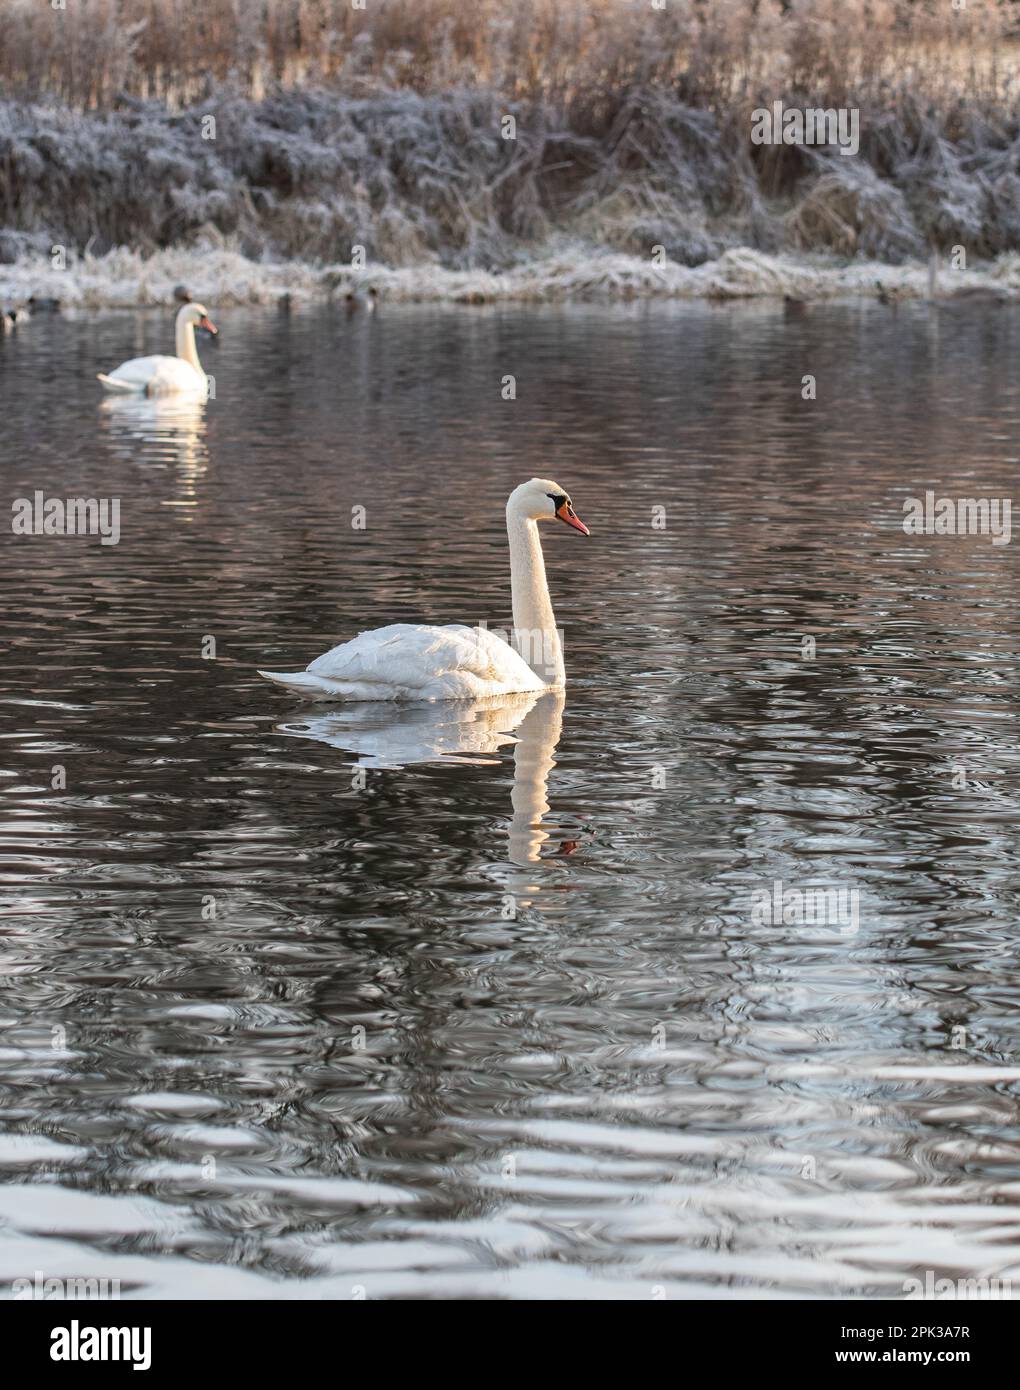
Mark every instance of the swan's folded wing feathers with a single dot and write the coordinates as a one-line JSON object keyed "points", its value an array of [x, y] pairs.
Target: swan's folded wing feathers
{"points": [[136, 372], [411, 657], [383, 656]]}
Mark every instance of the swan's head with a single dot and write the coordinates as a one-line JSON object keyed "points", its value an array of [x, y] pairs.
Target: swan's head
{"points": [[543, 500], [198, 315]]}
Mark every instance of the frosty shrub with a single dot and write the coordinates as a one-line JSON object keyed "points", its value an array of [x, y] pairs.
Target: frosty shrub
{"points": [[381, 127]]}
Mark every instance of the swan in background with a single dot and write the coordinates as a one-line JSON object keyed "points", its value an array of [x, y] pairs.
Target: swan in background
{"points": [[406, 661], [158, 374]]}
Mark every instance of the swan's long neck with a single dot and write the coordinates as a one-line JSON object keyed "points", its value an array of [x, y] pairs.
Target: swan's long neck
{"points": [[535, 636], [186, 349]]}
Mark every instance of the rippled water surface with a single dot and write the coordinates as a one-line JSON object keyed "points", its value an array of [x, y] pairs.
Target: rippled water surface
{"points": [[334, 1002]]}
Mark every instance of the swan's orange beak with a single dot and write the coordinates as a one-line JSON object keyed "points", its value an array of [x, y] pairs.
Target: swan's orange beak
{"points": [[206, 322], [566, 513]]}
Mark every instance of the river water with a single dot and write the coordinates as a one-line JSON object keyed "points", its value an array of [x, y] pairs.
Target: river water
{"points": [[515, 1002]]}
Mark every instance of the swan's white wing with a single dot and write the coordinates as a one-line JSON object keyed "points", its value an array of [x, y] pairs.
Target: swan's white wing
{"points": [[431, 662], [409, 662]]}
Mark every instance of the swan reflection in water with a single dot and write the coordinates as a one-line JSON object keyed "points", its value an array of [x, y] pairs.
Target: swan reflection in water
{"points": [[167, 430], [464, 731]]}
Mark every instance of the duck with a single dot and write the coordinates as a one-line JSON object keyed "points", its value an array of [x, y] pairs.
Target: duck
{"points": [[965, 294], [182, 295], [159, 374], [356, 301], [41, 304], [15, 318], [978, 294], [890, 296], [409, 661]]}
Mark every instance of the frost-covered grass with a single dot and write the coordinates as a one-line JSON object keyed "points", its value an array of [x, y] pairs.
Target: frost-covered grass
{"points": [[383, 128], [417, 179], [222, 276]]}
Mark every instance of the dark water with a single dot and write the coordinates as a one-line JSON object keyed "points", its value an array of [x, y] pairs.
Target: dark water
{"points": [[324, 1003]]}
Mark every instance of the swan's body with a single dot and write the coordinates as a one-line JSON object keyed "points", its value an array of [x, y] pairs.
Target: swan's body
{"points": [[409, 662], [159, 375], [406, 661]]}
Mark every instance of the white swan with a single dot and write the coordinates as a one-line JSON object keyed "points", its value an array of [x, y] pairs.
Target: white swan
{"points": [[410, 662], [159, 374]]}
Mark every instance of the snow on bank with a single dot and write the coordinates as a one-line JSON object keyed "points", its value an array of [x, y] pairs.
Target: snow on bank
{"points": [[222, 276]]}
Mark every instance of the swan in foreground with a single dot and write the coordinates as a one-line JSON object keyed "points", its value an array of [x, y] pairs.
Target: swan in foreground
{"points": [[406, 661], [155, 375]]}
